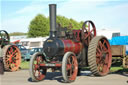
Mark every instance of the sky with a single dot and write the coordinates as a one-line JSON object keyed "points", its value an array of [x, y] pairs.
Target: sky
{"points": [[16, 15]]}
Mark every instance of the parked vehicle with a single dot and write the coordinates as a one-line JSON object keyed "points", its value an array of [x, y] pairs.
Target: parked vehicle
{"points": [[120, 50], [24, 51], [31, 52], [9, 53]]}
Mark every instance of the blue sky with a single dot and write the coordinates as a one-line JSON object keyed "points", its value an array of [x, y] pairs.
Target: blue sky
{"points": [[111, 14]]}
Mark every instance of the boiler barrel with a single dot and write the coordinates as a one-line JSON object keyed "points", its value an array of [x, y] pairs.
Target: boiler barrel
{"points": [[54, 47], [71, 46]]}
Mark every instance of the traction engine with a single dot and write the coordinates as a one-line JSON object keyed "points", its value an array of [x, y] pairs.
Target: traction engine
{"points": [[70, 50], [10, 54]]}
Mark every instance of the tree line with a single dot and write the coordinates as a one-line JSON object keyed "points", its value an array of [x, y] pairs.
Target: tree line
{"points": [[17, 34], [39, 26]]}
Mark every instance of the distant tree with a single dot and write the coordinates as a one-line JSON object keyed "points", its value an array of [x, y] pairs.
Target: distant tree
{"points": [[81, 24], [75, 24], [65, 22], [17, 33], [39, 26]]}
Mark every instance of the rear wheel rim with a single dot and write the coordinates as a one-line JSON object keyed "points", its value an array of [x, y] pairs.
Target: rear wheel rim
{"points": [[12, 58], [99, 56], [103, 56]]}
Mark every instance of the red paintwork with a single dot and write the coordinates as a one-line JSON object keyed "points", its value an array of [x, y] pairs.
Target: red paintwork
{"points": [[16, 42], [72, 46]]}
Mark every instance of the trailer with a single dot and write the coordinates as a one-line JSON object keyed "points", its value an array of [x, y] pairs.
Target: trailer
{"points": [[119, 48]]}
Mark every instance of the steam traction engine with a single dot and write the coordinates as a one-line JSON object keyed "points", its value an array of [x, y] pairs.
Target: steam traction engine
{"points": [[70, 51], [9, 54]]}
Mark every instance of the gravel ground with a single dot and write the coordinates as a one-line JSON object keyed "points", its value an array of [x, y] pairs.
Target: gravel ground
{"points": [[22, 78]]}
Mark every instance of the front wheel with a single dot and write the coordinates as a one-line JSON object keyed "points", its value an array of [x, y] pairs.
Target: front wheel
{"points": [[36, 72], [69, 67]]}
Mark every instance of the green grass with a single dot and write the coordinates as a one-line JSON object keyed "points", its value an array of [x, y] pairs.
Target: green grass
{"points": [[118, 69], [114, 69], [24, 65]]}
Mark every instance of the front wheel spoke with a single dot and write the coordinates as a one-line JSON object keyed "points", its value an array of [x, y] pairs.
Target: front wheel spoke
{"points": [[70, 72], [37, 60], [35, 67], [68, 66], [73, 59], [39, 73], [69, 61]]}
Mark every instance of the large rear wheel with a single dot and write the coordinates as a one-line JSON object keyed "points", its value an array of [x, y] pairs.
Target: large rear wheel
{"points": [[99, 56], [69, 67], [36, 72], [11, 57]]}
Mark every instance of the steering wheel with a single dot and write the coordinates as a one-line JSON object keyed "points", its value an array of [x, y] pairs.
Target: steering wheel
{"points": [[4, 37], [88, 32]]}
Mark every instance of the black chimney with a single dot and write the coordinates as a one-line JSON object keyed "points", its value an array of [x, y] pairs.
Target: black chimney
{"points": [[52, 15]]}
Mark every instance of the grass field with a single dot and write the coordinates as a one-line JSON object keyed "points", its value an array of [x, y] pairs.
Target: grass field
{"points": [[25, 65]]}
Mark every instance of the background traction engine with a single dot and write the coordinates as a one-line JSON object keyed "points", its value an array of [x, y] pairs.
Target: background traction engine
{"points": [[71, 50], [9, 53]]}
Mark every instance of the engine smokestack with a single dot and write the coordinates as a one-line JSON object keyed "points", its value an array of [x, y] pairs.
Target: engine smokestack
{"points": [[52, 15]]}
